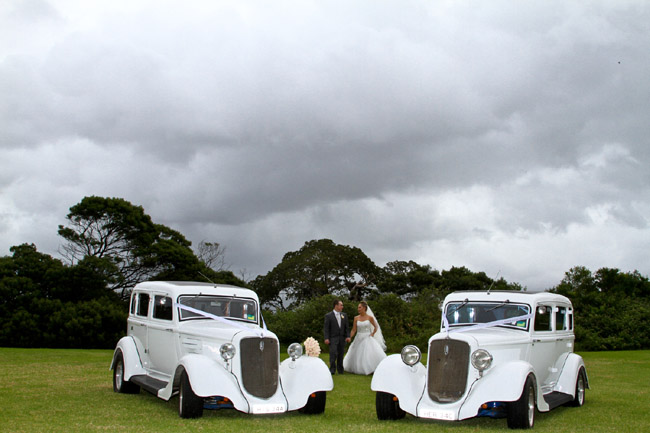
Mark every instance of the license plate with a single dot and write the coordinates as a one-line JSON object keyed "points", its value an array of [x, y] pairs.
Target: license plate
{"points": [[446, 415], [269, 408]]}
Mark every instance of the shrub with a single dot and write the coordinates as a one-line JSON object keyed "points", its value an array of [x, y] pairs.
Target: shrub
{"points": [[401, 322]]}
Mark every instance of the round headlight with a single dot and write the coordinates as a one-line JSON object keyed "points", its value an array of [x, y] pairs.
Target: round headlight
{"points": [[227, 351], [481, 359], [295, 351], [411, 355]]}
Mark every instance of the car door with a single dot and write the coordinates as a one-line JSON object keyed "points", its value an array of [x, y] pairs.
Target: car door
{"points": [[162, 336], [543, 351], [138, 319], [564, 339]]}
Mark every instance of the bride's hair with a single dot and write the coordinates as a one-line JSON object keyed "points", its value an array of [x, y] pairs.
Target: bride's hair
{"points": [[365, 305]]}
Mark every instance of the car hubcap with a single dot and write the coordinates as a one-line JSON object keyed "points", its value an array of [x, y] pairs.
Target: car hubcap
{"points": [[531, 406], [119, 371], [581, 390], [180, 400]]}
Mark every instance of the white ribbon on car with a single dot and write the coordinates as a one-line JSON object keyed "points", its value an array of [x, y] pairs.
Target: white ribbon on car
{"points": [[220, 319], [473, 326]]}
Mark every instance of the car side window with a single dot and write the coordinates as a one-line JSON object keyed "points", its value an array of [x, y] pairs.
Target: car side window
{"points": [[560, 319], [133, 303], [570, 319], [162, 307], [543, 318], [143, 304]]}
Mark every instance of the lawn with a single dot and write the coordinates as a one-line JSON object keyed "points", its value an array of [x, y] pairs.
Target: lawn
{"points": [[45, 390]]}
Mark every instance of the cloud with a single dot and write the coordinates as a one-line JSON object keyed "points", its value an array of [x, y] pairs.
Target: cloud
{"points": [[491, 135]]}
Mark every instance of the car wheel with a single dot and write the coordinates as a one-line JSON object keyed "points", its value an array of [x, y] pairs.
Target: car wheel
{"points": [[315, 403], [119, 384], [190, 405], [521, 413], [388, 406], [581, 385]]}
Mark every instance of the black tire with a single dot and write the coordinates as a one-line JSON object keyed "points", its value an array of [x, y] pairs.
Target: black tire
{"points": [[388, 406], [119, 384], [190, 405], [315, 403], [521, 413], [581, 385]]}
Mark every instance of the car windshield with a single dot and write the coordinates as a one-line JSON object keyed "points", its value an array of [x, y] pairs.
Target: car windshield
{"points": [[472, 312], [233, 308]]}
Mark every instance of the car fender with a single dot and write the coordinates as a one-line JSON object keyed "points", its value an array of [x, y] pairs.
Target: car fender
{"points": [[569, 376], [208, 377], [302, 377], [503, 383], [404, 382], [132, 363]]}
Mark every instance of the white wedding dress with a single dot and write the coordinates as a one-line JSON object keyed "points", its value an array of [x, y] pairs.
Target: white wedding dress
{"points": [[365, 352]]}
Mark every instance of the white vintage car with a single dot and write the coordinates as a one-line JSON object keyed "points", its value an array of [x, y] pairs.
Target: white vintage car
{"points": [[498, 354], [208, 344]]}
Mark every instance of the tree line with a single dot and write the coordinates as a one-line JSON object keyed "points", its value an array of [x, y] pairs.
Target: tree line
{"points": [[109, 245]]}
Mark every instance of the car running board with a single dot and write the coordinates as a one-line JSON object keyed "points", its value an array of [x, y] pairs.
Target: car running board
{"points": [[147, 383], [555, 399]]}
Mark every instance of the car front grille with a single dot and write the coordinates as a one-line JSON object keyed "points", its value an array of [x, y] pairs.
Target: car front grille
{"points": [[259, 366], [447, 370]]}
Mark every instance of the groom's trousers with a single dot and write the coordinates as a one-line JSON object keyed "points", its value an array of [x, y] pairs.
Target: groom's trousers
{"points": [[337, 349]]}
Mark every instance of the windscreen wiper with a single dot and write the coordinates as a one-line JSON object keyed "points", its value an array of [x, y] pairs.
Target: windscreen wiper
{"points": [[507, 301], [459, 307]]}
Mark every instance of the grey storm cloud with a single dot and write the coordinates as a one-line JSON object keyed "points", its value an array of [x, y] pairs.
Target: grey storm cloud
{"points": [[413, 130]]}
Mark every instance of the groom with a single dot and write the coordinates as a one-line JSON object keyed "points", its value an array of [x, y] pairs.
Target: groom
{"points": [[336, 331]]}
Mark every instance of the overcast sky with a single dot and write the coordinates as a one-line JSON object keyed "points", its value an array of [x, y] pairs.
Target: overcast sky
{"points": [[497, 135]]}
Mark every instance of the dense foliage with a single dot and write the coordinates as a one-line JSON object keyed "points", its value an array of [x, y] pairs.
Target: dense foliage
{"points": [[407, 316], [318, 268], [612, 308], [44, 303], [111, 245]]}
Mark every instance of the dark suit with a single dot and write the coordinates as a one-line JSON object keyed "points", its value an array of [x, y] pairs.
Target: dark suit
{"points": [[336, 335]]}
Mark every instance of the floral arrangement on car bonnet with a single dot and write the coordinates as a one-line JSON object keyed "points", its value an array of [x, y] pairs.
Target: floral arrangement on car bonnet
{"points": [[312, 348]]}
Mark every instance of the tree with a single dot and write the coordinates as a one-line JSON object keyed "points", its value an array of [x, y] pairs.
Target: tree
{"points": [[407, 278], [611, 308], [320, 267], [30, 270], [44, 303], [461, 278], [213, 255], [123, 234]]}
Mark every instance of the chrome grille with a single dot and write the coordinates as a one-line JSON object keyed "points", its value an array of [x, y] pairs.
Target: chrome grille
{"points": [[447, 370], [259, 366]]}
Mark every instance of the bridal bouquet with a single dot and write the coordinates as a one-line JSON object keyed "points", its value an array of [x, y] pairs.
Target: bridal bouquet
{"points": [[312, 348]]}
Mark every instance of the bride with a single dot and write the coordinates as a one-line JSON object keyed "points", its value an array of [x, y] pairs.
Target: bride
{"points": [[367, 350]]}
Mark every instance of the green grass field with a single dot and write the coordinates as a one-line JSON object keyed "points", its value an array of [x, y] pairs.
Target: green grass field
{"points": [[71, 391]]}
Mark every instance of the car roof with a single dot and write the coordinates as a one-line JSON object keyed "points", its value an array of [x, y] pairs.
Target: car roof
{"points": [[177, 288], [507, 295]]}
